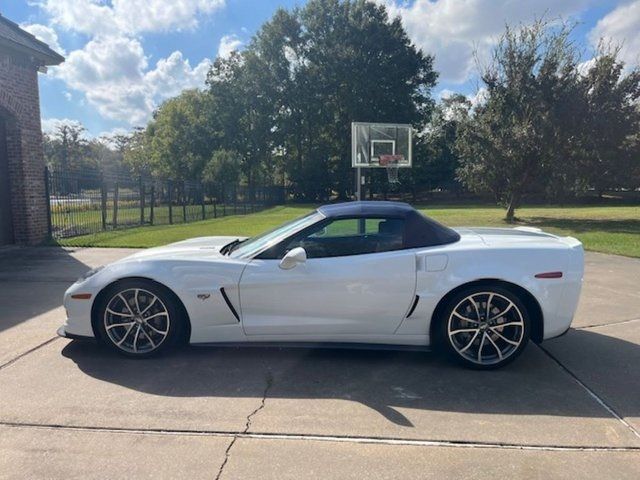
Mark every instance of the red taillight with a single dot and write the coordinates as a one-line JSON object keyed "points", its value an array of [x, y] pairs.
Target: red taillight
{"points": [[549, 275]]}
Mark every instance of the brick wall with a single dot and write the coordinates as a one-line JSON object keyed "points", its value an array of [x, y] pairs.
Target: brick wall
{"points": [[20, 108]]}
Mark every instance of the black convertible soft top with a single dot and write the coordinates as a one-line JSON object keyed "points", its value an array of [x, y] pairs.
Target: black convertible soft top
{"points": [[419, 231]]}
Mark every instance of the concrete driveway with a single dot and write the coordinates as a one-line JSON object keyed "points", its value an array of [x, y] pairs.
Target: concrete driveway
{"points": [[567, 409]]}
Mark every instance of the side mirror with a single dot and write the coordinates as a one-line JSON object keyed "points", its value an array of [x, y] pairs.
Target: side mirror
{"points": [[293, 257]]}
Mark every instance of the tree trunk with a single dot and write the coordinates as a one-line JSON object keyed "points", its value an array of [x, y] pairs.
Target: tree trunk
{"points": [[514, 202]]}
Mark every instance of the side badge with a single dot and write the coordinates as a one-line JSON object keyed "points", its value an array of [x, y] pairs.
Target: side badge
{"points": [[203, 296]]}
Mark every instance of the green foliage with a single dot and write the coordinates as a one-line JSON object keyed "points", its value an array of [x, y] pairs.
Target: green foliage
{"points": [[178, 140], [610, 130], [222, 170], [547, 128], [66, 148], [525, 126], [436, 157]]}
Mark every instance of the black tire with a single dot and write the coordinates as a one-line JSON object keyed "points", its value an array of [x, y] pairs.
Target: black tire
{"points": [[154, 332], [486, 340]]}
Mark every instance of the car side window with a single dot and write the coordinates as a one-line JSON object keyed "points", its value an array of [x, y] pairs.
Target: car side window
{"points": [[350, 236]]}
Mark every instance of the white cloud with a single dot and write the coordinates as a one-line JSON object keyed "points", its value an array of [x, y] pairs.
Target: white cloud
{"points": [[478, 98], [622, 27], [445, 93], [49, 125], [453, 29], [112, 72], [96, 17], [229, 43], [584, 67], [174, 74], [45, 34]]}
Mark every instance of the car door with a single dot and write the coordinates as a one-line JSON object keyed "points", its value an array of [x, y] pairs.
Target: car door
{"points": [[356, 280]]}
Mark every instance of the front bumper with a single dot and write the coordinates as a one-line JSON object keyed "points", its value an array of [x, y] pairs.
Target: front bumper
{"points": [[64, 334]]}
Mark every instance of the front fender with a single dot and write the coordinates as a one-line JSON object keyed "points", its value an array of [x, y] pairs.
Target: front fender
{"points": [[196, 283]]}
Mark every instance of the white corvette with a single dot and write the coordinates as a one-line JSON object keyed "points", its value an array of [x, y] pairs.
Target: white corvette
{"points": [[352, 273]]}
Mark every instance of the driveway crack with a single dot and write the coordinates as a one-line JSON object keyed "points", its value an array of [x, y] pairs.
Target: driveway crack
{"points": [[31, 350], [621, 322], [247, 426]]}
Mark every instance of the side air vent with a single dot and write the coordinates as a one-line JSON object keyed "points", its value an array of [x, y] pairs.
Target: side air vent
{"points": [[229, 304], [413, 307]]}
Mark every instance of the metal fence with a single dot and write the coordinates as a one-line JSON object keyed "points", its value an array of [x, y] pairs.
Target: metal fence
{"points": [[82, 203]]}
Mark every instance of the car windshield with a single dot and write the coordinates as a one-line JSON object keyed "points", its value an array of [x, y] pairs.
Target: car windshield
{"points": [[254, 245]]}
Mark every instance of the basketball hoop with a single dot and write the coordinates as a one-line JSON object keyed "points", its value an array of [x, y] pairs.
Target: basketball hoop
{"points": [[391, 163]]}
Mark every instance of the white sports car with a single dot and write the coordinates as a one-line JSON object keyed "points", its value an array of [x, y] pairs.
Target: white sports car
{"points": [[352, 273]]}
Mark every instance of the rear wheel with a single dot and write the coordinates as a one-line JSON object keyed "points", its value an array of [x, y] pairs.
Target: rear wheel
{"points": [[484, 327], [138, 318]]}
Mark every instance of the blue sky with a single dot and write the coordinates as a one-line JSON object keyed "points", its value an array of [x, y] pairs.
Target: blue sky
{"points": [[124, 57]]}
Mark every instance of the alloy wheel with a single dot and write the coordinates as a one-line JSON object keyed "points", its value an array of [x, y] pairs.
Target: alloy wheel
{"points": [[486, 328], [136, 321]]}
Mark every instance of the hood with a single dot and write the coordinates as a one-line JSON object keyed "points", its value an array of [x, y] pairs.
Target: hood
{"points": [[200, 247]]}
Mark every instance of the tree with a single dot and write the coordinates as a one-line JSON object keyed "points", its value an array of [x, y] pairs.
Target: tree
{"points": [[179, 138], [65, 148], [526, 126], [223, 170], [611, 122], [136, 152], [436, 158]]}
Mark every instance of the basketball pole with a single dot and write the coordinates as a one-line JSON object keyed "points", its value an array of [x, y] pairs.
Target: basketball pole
{"points": [[358, 184]]}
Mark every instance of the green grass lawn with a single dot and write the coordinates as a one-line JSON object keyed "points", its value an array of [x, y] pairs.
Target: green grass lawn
{"points": [[609, 229]]}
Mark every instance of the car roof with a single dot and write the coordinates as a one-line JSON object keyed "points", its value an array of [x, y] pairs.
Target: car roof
{"points": [[419, 231], [366, 208]]}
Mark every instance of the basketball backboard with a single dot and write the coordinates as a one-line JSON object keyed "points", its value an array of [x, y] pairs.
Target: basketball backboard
{"points": [[370, 141]]}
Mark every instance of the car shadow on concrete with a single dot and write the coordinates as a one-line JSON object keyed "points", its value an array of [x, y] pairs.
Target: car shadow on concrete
{"points": [[386, 381], [33, 281]]}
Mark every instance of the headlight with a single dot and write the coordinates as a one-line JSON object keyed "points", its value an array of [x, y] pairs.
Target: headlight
{"points": [[90, 273]]}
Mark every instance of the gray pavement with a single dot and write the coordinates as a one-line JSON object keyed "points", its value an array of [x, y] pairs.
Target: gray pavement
{"points": [[73, 410]]}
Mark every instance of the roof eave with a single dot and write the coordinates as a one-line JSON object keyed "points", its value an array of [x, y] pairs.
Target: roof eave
{"points": [[50, 58]]}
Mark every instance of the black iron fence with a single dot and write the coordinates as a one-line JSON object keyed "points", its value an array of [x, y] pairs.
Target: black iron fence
{"points": [[82, 203]]}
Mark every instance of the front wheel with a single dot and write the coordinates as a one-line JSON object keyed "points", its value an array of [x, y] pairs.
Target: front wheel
{"points": [[138, 318], [484, 327]]}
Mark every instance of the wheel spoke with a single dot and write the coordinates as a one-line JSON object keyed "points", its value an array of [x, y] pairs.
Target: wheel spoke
{"points": [[465, 318], [475, 305], [149, 306], [121, 341], [480, 348], [496, 346], [463, 330], [475, 335], [135, 339], [119, 314], [149, 337], [514, 343], [126, 304], [156, 330], [508, 324], [498, 315], [114, 325], [157, 315], [488, 314], [135, 298]]}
